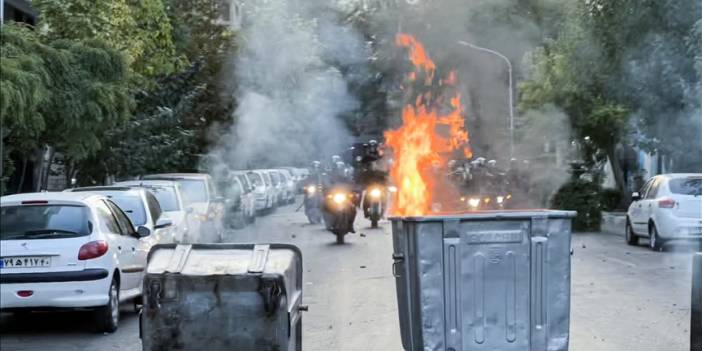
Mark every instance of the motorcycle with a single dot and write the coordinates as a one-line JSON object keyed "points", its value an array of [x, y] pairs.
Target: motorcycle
{"points": [[485, 202], [374, 204], [339, 212], [312, 203]]}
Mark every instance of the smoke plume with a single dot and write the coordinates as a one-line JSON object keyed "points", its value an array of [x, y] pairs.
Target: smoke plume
{"points": [[291, 93]]}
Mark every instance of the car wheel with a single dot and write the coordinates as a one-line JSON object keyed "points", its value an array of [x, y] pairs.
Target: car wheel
{"points": [[631, 238], [107, 317], [655, 241]]}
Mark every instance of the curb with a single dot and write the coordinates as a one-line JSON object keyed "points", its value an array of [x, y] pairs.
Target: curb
{"points": [[613, 223]]}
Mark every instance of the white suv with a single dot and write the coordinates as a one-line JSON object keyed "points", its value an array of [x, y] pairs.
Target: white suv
{"points": [[69, 250], [669, 207]]}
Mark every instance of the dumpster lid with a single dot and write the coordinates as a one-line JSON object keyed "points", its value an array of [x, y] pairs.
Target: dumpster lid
{"points": [[487, 215], [221, 259]]}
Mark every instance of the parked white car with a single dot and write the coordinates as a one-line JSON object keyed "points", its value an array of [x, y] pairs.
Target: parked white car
{"points": [[668, 207], [174, 205], [289, 183], [264, 193], [65, 250], [277, 183], [142, 208], [248, 200], [208, 206]]}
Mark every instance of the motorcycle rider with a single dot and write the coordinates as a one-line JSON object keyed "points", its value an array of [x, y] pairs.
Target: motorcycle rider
{"points": [[338, 179]]}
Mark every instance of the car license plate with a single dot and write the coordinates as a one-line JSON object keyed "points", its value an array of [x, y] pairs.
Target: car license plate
{"points": [[25, 262]]}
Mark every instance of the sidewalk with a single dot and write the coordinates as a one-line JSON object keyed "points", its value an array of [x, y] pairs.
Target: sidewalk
{"points": [[613, 223]]}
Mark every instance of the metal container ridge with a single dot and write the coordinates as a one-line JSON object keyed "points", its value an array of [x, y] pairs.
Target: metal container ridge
{"points": [[222, 297], [494, 280]]}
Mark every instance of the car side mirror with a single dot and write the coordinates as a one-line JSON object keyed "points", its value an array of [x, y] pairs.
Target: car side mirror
{"points": [[142, 232], [635, 196], [163, 223]]}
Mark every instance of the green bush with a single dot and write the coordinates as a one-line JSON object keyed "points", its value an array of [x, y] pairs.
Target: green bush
{"points": [[611, 199], [584, 197]]}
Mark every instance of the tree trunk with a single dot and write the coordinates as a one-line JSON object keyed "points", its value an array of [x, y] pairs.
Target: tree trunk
{"points": [[618, 176], [47, 170], [22, 175]]}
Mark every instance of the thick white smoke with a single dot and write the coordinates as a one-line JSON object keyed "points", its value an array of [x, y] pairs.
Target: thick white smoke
{"points": [[291, 95]]}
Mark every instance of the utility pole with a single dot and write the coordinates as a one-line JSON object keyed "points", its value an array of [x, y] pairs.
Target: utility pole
{"points": [[509, 93]]}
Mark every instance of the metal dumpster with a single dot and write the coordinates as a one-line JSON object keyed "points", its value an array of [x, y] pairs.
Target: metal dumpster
{"points": [[484, 280], [222, 297]]}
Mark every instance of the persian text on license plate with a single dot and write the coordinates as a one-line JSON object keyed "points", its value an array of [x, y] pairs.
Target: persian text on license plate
{"points": [[25, 262]]}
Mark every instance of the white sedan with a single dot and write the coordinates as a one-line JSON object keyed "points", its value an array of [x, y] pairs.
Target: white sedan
{"points": [[668, 207], [174, 206], [69, 250]]}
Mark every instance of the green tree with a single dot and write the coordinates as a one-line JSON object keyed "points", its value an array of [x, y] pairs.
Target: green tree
{"points": [[155, 139], [64, 94], [200, 35], [139, 29], [573, 73]]}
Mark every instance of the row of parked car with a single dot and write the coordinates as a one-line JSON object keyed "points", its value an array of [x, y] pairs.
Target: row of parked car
{"points": [[86, 248]]}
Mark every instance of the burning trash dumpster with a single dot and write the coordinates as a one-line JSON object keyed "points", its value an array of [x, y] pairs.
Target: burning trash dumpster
{"points": [[483, 280], [223, 297]]}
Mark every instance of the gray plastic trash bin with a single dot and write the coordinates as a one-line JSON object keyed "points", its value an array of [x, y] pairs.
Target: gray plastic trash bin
{"points": [[484, 281], [222, 297]]}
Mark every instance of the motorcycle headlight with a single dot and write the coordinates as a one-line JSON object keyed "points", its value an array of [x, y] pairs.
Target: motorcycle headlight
{"points": [[339, 198], [375, 193], [311, 189], [500, 199], [474, 202]]}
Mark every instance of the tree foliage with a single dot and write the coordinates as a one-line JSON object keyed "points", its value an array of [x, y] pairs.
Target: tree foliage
{"points": [[155, 138], [625, 73], [61, 93], [139, 29]]}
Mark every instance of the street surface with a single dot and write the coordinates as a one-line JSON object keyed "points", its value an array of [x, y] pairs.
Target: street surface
{"points": [[623, 298]]}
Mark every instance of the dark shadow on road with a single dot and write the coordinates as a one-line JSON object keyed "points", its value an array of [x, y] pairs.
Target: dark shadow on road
{"points": [[65, 322]]}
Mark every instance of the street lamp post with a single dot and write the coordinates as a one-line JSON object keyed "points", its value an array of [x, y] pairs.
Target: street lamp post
{"points": [[511, 99]]}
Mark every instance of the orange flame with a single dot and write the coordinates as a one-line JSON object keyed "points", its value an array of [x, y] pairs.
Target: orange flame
{"points": [[427, 137]]}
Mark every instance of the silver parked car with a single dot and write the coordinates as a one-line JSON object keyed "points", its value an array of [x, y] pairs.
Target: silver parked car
{"points": [[142, 208], [203, 197], [174, 206]]}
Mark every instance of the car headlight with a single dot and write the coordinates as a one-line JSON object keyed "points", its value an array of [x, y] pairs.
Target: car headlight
{"points": [[339, 198], [375, 193], [474, 202], [500, 199], [311, 189], [392, 189]]}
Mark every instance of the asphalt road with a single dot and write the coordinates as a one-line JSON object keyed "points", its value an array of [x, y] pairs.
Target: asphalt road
{"points": [[623, 298]]}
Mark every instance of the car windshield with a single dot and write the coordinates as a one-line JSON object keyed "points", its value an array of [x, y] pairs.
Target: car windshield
{"points": [[686, 186], [166, 197], [132, 205], [44, 222], [256, 179], [194, 189]]}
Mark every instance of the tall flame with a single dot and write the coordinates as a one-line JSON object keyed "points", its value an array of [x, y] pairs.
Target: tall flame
{"points": [[432, 129]]}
